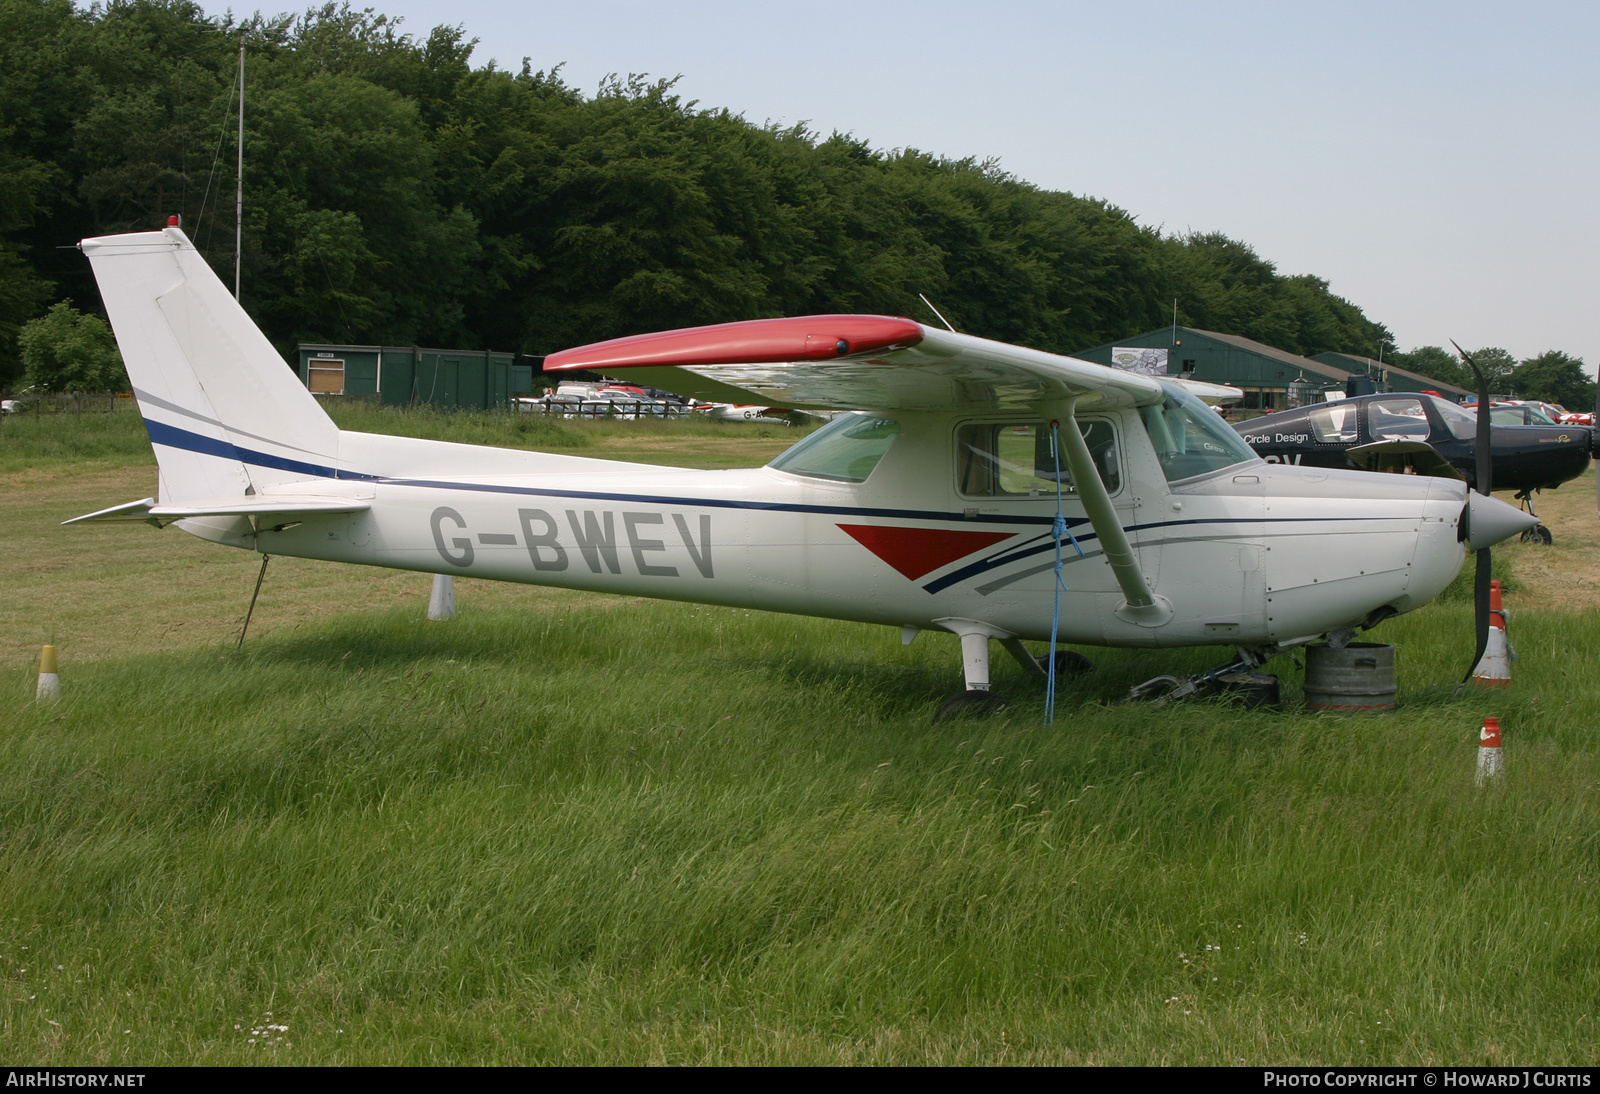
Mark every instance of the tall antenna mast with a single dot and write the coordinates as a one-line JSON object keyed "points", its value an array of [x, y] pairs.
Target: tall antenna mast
{"points": [[238, 194]]}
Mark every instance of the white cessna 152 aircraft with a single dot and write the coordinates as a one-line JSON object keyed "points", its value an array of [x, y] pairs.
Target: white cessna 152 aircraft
{"points": [[933, 508]]}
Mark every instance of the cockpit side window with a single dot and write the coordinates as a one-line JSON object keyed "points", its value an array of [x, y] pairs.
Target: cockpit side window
{"points": [[1016, 459], [1333, 423], [1399, 418]]}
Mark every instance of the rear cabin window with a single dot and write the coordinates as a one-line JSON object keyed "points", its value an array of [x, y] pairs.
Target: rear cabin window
{"points": [[844, 450], [1011, 459]]}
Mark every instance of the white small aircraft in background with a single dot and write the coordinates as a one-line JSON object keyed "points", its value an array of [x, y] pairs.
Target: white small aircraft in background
{"points": [[934, 508]]}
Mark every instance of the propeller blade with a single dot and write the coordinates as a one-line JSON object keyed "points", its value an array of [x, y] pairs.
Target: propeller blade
{"points": [[1480, 604], [1485, 468], [1485, 474]]}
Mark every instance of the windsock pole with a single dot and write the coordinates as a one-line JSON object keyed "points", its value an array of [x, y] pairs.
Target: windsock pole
{"points": [[1494, 668], [1489, 752], [442, 603], [49, 678]]}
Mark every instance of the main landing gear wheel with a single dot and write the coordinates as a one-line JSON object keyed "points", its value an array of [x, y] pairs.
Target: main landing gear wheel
{"points": [[969, 704], [1068, 663]]}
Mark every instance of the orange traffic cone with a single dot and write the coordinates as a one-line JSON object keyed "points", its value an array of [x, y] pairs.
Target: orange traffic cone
{"points": [[49, 679], [1494, 668], [1489, 752]]}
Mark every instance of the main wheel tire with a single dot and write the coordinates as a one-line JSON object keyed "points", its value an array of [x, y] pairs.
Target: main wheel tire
{"points": [[969, 704], [1068, 663]]}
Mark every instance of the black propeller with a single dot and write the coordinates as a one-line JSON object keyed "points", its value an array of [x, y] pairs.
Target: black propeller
{"points": [[1480, 583]]}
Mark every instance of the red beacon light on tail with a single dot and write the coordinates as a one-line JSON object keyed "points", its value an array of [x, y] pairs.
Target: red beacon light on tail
{"points": [[175, 220]]}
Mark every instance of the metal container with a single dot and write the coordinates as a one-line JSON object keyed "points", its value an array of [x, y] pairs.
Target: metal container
{"points": [[1357, 677]]}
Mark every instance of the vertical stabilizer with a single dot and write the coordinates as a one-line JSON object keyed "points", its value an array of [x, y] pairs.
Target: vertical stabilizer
{"points": [[223, 410]]}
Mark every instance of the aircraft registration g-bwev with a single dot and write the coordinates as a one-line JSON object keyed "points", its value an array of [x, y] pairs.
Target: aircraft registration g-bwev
{"points": [[934, 507]]}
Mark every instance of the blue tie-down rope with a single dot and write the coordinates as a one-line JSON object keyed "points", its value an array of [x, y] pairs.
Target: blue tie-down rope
{"points": [[1058, 531]]}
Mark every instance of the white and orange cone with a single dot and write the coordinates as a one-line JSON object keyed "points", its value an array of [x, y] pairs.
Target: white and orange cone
{"points": [[49, 677], [1489, 766], [1494, 668]]}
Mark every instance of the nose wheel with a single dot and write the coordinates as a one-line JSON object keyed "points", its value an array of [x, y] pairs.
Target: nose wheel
{"points": [[1538, 533]]}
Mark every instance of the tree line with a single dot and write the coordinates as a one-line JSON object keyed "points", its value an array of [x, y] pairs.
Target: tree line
{"points": [[396, 194]]}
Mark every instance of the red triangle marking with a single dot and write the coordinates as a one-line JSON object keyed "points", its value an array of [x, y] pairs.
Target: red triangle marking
{"points": [[918, 551]]}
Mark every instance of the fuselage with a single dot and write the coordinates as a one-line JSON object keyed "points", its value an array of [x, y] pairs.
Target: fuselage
{"points": [[1250, 553]]}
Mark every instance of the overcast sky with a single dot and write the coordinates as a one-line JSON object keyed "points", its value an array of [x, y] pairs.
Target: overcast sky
{"points": [[1435, 162]]}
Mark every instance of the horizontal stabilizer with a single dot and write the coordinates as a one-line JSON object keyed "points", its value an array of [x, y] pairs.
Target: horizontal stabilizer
{"points": [[248, 506], [132, 510]]}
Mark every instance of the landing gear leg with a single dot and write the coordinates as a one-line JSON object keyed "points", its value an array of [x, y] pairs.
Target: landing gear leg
{"points": [[1068, 662], [977, 701], [1538, 533]]}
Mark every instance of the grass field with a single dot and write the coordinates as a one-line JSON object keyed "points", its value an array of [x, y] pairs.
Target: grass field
{"points": [[580, 829]]}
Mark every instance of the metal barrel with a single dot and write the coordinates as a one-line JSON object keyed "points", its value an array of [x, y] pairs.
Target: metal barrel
{"points": [[1358, 677]]}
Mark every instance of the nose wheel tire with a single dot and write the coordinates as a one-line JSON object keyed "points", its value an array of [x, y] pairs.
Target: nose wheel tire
{"points": [[969, 704], [1253, 689], [1538, 534]]}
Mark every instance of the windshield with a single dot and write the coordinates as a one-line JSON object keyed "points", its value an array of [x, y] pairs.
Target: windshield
{"points": [[844, 450], [1189, 437], [1463, 423]]}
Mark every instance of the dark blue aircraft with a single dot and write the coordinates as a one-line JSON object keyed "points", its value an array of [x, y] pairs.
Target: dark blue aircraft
{"points": [[1415, 434]]}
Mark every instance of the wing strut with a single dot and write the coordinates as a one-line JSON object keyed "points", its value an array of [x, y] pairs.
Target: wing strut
{"points": [[1139, 605]]}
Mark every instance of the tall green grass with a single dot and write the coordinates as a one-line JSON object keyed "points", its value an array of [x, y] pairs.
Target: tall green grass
{"points": [[676, 834], [57, 440]]}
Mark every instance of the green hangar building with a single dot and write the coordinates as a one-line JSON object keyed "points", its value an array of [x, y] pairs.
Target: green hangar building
{"points": [[1264, 373], [1392, 377]]}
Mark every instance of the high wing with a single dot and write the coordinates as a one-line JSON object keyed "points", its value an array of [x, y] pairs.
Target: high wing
{"points": [[882, 362], [854, 362]]}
